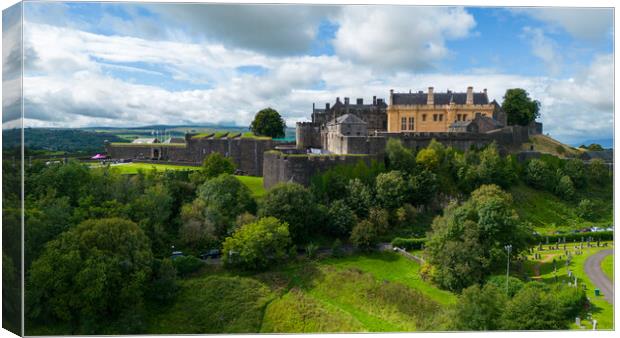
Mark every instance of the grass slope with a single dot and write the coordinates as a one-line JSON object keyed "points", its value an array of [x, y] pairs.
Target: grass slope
{"points": [[607, 265], [306, 296], [547, 213], [213, 304], [548, 145]]}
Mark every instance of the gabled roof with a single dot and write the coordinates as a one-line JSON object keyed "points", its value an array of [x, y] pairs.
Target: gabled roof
{"points": [[349, 119], [456, 124], [175, 140], [439, 98]]}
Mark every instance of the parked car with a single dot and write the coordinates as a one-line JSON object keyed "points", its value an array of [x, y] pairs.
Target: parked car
{"points": [[585, 230], [609, 229], [176, 254], [213, 253], [597, 229]]}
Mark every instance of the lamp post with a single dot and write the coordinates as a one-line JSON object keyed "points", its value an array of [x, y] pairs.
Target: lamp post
{"points": [[508, 250]]}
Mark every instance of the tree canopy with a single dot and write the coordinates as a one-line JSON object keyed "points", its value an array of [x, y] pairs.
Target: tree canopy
{"points": [[268, 122], [519, 107], [91, 273]]}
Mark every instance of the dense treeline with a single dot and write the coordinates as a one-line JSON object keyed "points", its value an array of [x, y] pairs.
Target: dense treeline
{"points": [[39, 141], [98, 243]]}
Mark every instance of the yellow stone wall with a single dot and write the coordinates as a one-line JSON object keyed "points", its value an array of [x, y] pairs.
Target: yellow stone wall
{"points": [[449, 112]]}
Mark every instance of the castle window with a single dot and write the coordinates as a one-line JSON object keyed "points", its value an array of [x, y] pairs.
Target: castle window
{"points": [[435, 117], [458, 117], [464, 117], [411, 123], [403, 123], [478, 114], [440, 117], [423, 117]]}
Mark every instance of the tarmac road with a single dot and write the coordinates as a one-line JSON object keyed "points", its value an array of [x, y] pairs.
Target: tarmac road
{"points": [[593, 270]]}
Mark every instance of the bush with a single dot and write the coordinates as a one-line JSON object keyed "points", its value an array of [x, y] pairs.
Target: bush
{"points": [[258, 245], [409, 243], [341, 219], [480, 309], [365, 235], [585, 209], [514, 284], [337, 248], [538, 174], [565, 188], [164, 286], [311, 250], [187, 264], [216, 164], [598, 172]]}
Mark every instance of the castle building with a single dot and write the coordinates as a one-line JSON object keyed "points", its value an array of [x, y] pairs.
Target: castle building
{"points": [[440, 112], [374, 114]]}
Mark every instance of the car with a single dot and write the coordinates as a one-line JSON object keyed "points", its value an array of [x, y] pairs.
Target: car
{"points": [[610, 229], [176, 254], [213, 253], [585, 230]]}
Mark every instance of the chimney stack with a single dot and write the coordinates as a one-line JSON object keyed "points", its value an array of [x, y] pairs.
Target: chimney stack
{"points": [[327, 106], [391, 97], [470, 95], [346, 101], [360, 101], [374, 100], [484, 91], [431, 97]]}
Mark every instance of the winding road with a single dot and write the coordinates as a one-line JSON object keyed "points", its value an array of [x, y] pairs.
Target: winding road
{"points": [[593, 270]]}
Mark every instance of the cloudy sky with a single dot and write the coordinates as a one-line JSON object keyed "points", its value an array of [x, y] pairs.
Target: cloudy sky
{"points": [[132, 64]]}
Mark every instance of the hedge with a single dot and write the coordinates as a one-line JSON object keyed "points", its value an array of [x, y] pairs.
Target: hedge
{"points": [[418, 243], [573, 237], [409, 243]]}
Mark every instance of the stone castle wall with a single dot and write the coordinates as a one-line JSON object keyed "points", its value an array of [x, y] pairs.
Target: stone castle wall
{"points": [[279, 167], [246, 153]]}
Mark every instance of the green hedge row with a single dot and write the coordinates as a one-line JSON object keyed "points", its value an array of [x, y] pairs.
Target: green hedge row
{"points": [[418, 243], [573, 237], [408, 243]]}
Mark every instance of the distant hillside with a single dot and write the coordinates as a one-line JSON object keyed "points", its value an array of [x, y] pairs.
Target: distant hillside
{"points": [[548, 145], [59, 140]]}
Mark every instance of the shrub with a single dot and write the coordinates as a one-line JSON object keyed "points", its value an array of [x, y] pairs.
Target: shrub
{"points": [[164, 286], [311, 250], [341, 219], [585, 209], [538, 174], [365, 235], [359, 197], [598, 171], [187, 264], [258, 245], [337, 248], [514, 284], [216, 164], [480, 308], [565, 188]]}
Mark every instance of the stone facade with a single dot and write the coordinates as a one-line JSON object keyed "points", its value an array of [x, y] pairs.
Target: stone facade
{"points": [[373, 114], [435, 112]]}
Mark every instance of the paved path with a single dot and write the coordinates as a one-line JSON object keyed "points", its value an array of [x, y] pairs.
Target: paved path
{"points": [[593, 270]]}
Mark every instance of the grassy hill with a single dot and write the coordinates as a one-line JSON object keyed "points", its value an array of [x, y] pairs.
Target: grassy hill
{"points": [[361, 293], [548, 145], [547, 213]]}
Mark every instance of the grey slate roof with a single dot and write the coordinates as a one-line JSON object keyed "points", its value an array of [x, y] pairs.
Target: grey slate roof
{"points": [[439, 98], [461, 123], [175, 140], [347, 119]]}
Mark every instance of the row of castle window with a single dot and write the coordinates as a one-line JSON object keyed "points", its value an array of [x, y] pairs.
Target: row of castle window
{"points": [[403, 123]]}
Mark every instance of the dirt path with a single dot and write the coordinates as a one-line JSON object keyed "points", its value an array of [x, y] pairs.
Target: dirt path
{"points": [[593, 270]]}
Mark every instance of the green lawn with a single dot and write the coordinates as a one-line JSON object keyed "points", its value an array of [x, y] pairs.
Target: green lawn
{"points": [[602, 311], [255, 184], [133, 168], [607, 265]]}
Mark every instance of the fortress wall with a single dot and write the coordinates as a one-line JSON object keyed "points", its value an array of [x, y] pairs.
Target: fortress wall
{"points": [[307, 135], [246, 153], [278, 167]]}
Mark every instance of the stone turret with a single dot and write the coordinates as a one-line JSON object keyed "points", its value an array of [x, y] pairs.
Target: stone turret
{"points": [[430, 99]]}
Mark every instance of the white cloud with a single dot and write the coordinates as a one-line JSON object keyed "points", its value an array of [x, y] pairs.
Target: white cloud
{"points": [[268, 28], [591, 24], [399, 37], [68, 86], [544, 49]]}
